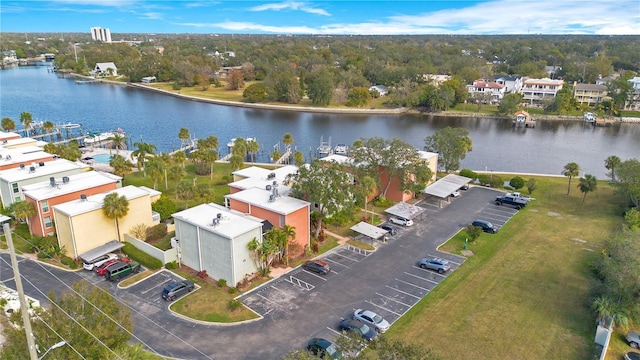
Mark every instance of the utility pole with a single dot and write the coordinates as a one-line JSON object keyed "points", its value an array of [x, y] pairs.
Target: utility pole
{"points": [[24, 307]]}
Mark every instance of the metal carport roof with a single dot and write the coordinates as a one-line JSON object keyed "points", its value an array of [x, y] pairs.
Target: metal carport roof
{"points": [[369, 230], [111, 246], [405, 210], [445, 186]]}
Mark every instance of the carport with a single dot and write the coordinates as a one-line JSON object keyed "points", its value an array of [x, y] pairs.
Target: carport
{"points": [[111, 246], [443, 188], [370, 231], [405, 210]]}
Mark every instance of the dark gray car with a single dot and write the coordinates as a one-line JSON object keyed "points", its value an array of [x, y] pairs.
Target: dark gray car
{"points": [[176, 289]]}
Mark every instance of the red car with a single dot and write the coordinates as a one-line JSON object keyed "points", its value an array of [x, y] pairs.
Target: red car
{"points": [[102, 269]]}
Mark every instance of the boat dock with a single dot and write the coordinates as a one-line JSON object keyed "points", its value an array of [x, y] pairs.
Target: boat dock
{"points": [[90, 81]]}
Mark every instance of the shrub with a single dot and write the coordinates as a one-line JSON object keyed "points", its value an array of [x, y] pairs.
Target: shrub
{"points": [[171, 265], [382, 201], [164, 206], [142, 257], [496, 181], [234, 304], [484, 179], [139, 231], [67, 261], [468, 173], [156, 232], [233, 290], [517, 182], [176, 86], [222, 282]]}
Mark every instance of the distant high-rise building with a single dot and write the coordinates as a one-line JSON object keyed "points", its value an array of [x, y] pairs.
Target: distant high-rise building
{"points": [[100, 34]]}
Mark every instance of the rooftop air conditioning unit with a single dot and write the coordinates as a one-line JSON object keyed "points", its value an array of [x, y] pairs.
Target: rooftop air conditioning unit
{"points": [[0, 156], [32, 169], [41, 163], [21, 166], [8, 157], [268, 187], [83, 197], [65, 179], [52, 181]]}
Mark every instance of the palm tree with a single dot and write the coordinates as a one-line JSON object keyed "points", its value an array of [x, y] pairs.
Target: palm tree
{"points": [[252, 148], [183, 135], [156, 170], [141, 153], [185, 191], [23, 210], [48, 127], [290, 234], [368, 186], [298, 158], [180, 158], [587, 184], [118, 141], [611, 163], [287, 140], [51, 148], [8, 124], [121, 166], [26, 119], [570, 170], [166, 159], [115, 207]]}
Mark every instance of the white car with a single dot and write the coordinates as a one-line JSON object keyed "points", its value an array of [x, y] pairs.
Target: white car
{"points": [[372, 319], [455, 194], [401, 221], [89, 265]]}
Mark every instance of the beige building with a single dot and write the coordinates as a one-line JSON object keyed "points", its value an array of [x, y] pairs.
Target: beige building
{"points": [[589, 94], [81, 225]]}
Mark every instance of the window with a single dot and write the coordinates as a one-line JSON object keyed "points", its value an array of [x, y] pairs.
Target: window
{"points": [[15, 187], [45, 206], [282, 221], [47, 222]]}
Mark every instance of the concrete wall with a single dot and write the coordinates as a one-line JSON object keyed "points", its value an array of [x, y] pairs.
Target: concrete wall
{"points": [[165, 256]]}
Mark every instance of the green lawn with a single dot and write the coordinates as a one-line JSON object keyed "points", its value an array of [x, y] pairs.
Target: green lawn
{"points": [[526, 292]]}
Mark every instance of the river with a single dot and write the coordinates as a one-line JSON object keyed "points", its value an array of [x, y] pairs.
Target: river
{"points": [[156, 119]]}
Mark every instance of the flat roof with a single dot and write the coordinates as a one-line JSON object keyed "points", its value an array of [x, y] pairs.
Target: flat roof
{"points": [[405, 210], [445, 186], [260, 183], [110, 246], [230, 225], [20, 150], [94, 202], [340, 159], [6, 135], [369, 230], [21, 142], [78, 182], [260, 197], [258, 172], [49, 168], [17, 156], [426, 155]]}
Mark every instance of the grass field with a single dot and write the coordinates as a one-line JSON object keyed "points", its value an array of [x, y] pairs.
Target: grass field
{"points": [[525, 293]]}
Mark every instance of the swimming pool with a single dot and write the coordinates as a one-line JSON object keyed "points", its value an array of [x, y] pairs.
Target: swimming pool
{"points": [[102, 158]]}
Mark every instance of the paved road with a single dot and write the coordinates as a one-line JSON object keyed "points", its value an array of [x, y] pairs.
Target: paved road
{"points": [[298, 305]]}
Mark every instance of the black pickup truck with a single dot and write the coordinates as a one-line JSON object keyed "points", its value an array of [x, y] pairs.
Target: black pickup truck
{"points": [[514, 200]]}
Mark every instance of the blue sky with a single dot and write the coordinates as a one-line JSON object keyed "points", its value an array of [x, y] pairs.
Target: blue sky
{"points": [[363, 17]]}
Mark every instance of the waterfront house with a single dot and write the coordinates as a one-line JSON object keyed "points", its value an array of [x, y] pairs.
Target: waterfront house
{"points": [[148, 79], [492, 90], [589, 94], [82, 226], [534, 91], [512, 83], [633, 96], [105, 69], [46, 194], [12, 180], [214, 239], [381, 89]]}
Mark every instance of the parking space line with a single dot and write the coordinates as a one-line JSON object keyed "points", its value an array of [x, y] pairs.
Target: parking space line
{"points": [[497, 215], [451, 261], [414, 285], [269, 300], [383, 308], [421, 278], [316, 275], [335, 262], [346, 257], [392, 299], [334, 330], [404, 292], [429, 271]]}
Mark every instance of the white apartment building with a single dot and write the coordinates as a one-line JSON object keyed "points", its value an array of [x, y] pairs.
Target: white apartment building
{"points": [[537, 90], [100, 34]]}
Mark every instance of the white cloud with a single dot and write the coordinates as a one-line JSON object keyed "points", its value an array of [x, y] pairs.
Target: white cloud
{"points": [[151, 16], [290, 5], [114, 3]]}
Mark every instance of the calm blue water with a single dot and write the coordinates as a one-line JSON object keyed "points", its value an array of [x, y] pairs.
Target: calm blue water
{"points": [[156, 119], [102, 158]]}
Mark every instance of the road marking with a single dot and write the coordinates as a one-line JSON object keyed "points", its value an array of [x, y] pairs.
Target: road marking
{"points": [[346, 257], [414, 285], [404, 292], [334, 330], [451, 261], [421, 278], [392, 299], [383, 308], [269, 300], [335, 262], [314, 274], [429, 271]]}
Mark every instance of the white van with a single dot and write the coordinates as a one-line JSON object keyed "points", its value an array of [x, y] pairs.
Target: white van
{"points": [[89, 265]]}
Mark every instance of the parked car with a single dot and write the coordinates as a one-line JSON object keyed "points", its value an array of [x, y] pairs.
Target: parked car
{"points": [[120, 269], [631, 355], [359, 327], [324, 349], [317, 266], [455, 194], [486, 226], [90, 264], [100, 270], [465, 187], [436, 264], [372, 319], [634, 339], [391, 229], [401, 221], [176, 289]]}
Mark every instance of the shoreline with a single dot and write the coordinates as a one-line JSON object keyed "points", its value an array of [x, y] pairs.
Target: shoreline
{"points": [[398, 111]]}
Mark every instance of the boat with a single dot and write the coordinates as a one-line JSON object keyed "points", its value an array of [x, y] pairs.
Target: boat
{"points": [[522, 118], [95, 138], [325, 147], [589, 117], [341, 149], [233, 141], [596, 121]]}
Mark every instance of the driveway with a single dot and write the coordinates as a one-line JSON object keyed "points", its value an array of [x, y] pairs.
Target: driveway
{"points": [[295, 307]]}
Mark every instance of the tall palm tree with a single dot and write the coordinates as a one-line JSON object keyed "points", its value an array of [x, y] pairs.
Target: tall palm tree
{"points": [[287, 140], [118, 141], [115, 207], [156, 170], [121, 166], [290, 233], [180, 158], [612, 163], [166, 159], [367, 186], [26, 119], [587, 184], [570, 170], [142, 153], [252, 148], [8, 124], [48, 127], [183, 135], [23, 210]]}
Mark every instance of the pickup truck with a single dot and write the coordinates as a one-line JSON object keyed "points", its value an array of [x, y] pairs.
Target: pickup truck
{"points": [[509, 199]]}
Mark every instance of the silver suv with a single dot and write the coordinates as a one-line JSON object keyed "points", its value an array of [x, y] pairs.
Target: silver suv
{"points": [[634, 339], [436, 264]]}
